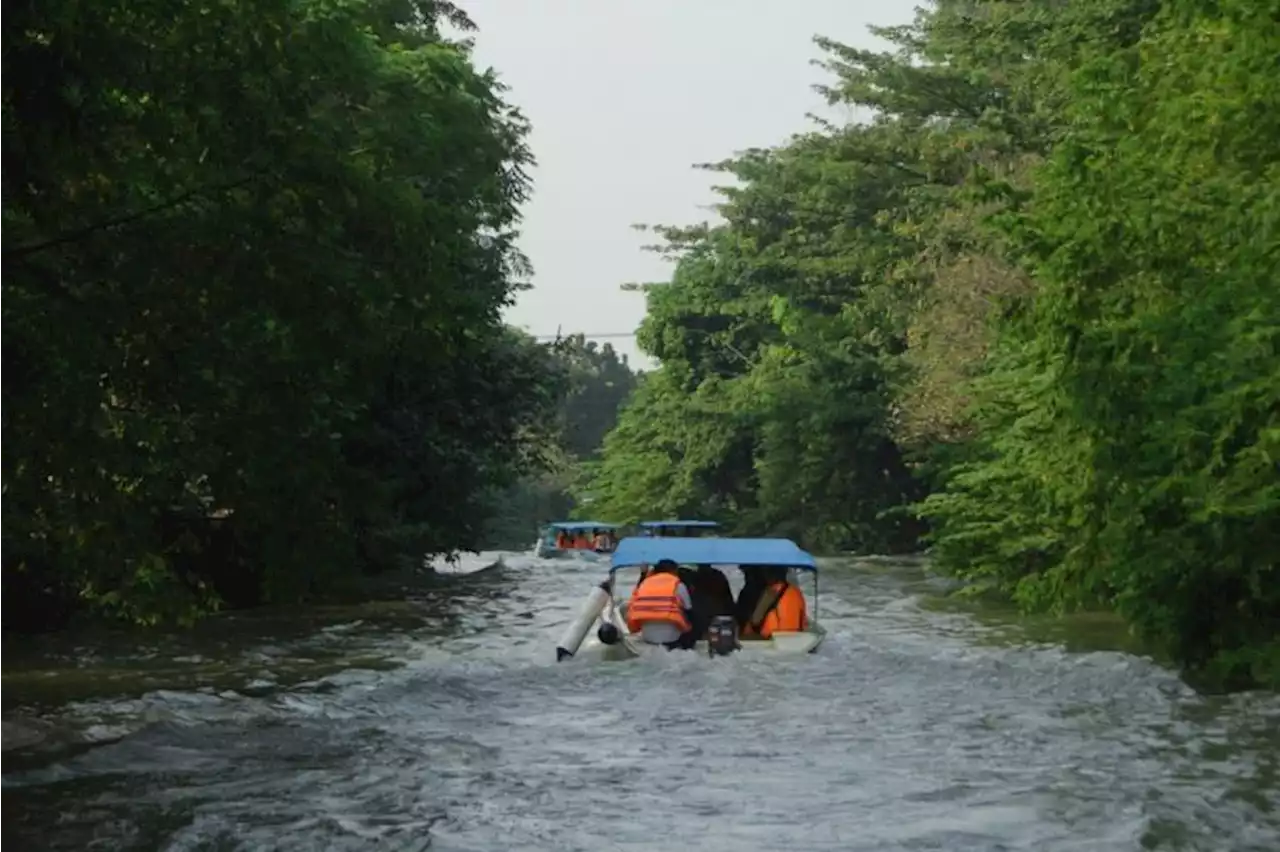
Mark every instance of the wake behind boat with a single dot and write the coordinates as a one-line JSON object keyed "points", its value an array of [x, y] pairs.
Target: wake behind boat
{"points": [[615, 640]]}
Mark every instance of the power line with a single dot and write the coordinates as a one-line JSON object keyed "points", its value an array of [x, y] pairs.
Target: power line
{"points": [[588, 336]]}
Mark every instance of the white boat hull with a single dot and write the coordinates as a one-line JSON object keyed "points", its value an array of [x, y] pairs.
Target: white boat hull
{"points": [[779, 645], [543, 551]]}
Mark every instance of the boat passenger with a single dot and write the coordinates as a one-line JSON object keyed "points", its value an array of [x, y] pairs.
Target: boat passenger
{"points": [[562, 540], [661, 608], [600, 544], [753, 586], [580, 542], [712, 596], [688, 577], [779, 608]]}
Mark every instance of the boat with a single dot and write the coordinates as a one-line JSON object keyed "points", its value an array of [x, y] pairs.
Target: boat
{"points": [[614, 642], [545, 547], [678, 529]]}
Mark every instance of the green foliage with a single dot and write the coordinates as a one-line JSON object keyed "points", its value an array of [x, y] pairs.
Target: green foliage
{"points": [[600, 380], [1042, 279], [770, 411], [595, 382], [254, 258], [1156, 234], [1125, 454]]}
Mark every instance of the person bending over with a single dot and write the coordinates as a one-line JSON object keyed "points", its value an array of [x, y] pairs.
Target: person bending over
{"points": [[661, 610]]}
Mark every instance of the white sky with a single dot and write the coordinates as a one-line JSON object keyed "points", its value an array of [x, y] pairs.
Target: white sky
{"points": [[624, 97]]}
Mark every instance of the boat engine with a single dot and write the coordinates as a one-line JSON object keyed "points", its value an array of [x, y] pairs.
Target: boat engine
{"points": [[722, 636], [608, 634]]}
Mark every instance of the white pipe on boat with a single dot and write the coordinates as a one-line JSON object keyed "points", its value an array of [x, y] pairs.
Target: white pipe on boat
{"points": [[571, 641]]}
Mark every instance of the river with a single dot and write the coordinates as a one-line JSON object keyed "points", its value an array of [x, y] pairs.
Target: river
{"points": [[444, 723]]}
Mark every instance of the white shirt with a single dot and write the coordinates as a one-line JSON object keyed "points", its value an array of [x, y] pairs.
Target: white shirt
{"points": [[663, 632]]}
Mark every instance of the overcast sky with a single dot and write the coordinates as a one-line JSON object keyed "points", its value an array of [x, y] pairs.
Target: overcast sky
{"points": [[624, 96]]}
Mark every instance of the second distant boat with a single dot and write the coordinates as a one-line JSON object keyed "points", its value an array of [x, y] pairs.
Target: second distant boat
{"points": [[678, 529]]}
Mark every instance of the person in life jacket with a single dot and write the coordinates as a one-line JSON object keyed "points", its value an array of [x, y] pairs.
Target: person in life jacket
{"points": [[779, 608], [660, 609], [562, 540]]}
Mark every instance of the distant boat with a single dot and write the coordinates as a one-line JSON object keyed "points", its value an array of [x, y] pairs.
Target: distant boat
{"points": [[547, 548], [678, 529]]}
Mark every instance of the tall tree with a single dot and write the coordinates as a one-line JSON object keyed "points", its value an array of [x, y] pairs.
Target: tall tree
{"points": [[254, 256], [1039, 279], [595, 380], [599, 381]]}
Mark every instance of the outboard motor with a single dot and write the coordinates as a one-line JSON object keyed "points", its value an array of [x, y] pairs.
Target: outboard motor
{"points": [[722, 636], [608, 634]]}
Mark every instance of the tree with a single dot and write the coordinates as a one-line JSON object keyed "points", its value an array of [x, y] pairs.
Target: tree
{"points": [[1039, 279], [599, 381], [594, 382], [773, 397], [255, 256]]}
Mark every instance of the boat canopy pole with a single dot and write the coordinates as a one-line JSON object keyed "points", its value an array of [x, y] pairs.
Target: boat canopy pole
{"points": [[815, 595]]}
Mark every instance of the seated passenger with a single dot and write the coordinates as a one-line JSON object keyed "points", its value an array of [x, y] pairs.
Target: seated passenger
{"points": [[714, 587], [580, 542], [753, 586], [711, 597], [779, 608], [686, 575], [660, 610], [562, 540], [600, 544]]}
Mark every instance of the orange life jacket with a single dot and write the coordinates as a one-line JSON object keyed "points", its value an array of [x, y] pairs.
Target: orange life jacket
{"points": [[562, 541], [580, 543], [788, 615], [656, 599]]}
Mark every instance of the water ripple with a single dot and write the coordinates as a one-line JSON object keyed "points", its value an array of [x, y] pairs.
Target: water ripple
{"points": [[910, 730]]}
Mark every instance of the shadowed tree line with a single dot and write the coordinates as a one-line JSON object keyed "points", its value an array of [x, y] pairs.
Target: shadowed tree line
{"points": [[255, 256], [1026, 313], [597, 382]]}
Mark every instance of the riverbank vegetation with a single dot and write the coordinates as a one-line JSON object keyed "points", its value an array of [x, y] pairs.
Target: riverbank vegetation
{"points": [[254, 260], [1025, 312], [597, 381]]}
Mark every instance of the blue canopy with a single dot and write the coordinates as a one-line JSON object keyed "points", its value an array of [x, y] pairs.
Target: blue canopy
{"points": [[703, 524], [570, 526], [648, 550]]}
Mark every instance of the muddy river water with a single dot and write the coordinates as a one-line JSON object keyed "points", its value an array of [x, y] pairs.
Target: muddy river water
{"points": [[444, 723]]}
